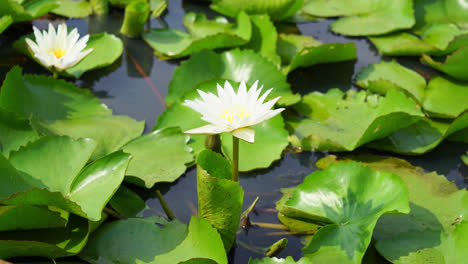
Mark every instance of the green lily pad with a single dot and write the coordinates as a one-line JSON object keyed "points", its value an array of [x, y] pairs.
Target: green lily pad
{"points": [[234, 65], [203, 34], [439, 247], [60, 108], [455, 65], [264, 38], [436, 205], [303, 51], [49, 243], [159, 156], [5, 22], [277, 10], [446, 98], [465, 158], [73, 9], [271, 138], [15, 131], [141, 240], [23, 217], [219, 198], [422, 136], [384, 76], [28, 11], [107, 48], [50, 171], [127, 203], [351, 197], [338, 121], [441, 12], [287, 260], [364, 18]]}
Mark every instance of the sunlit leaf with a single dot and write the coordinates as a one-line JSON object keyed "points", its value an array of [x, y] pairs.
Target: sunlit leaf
{"points": [[277, 10], [5, 22], [264, 38], [27, 11], [446, 98], [73, 8], [455, 65]]}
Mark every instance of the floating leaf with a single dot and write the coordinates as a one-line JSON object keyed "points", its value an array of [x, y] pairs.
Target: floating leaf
{"points": [[73, 9], [219, 198], [277, 10], [351, 197], [203, 34], [15, 131], [381, 77], [436, 205], [22, 217], [441, 12], [304, 51], [465, 158], [455, 65], [342, 122], [421, 136], [364, 17], [233, 65], [60, 108], [264, 38], [271, 138], [28, 11], [127, 203], [107, 48], [159, 156], [50, 172], [140, 240], [446, 98], [5, 22], [49, 243]]}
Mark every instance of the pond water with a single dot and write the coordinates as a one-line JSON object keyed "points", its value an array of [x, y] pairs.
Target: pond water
{"points": [[136, 84]]}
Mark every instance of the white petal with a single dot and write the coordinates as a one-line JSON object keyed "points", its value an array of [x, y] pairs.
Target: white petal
{"points": [[228, 89], [245, 133], [207, 130]]}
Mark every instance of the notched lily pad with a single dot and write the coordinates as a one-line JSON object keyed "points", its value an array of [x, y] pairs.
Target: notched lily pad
{"points": [[336, 121], [141, 239], [351, 197], [455, 64], [203, 34], [446, 98], [303, 51]]}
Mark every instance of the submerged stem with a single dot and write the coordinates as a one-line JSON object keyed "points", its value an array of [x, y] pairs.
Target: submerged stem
{"points": [[235, 159], [164, 205]]}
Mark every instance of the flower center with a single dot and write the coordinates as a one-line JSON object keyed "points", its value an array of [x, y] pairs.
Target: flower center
{"points": [[58, 52], [232, 112]]}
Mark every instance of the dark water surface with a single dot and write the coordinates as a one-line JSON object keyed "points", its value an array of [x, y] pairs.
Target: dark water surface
{"points": [[136, 84]]}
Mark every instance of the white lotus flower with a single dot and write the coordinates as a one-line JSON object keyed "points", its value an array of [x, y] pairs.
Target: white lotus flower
{"points": [[58, 49], [231, 112]]}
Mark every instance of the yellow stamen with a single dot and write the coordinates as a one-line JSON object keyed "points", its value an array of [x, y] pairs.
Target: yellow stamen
{"points": [[58, 52], [231, 112]]}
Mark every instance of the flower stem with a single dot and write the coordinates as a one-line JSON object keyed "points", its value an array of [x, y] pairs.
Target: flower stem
{"points": [[235, 159], [164, 205], [55, 75]]}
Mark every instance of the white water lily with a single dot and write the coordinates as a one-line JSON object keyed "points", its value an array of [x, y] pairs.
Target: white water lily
{"points": [[233, 112], [58, 49]]}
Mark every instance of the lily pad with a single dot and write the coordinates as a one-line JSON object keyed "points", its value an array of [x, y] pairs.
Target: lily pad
{"points": [[141, 241], [219, 198], [465, 158], [351, 197], [203, 34], [50, 171], [440, 11], [27, 11], [107, 48], [49, 243], [264, 38], [446, 98], [271, 138], [277, 10], [15, 131], [436, 205], [73, 9], [303, 51], [364, 18], [421, 136], [23, 217], [127, 203], [338, 121], [455, 65], [234, 65], [5, 22], [384, 76], [159, 156], [60, 108]]}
